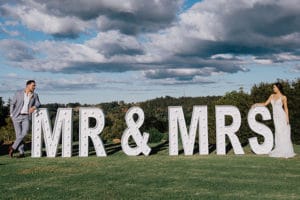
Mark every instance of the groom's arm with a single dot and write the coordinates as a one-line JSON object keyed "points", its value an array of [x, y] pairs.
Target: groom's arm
{"points": [[37, 104]]}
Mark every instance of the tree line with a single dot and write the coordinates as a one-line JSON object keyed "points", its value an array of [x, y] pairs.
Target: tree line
{"points": [[156, 113]]}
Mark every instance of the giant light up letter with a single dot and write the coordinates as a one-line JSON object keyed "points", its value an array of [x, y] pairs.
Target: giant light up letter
{"points": [[86, 132], [199, 117], [261, 129], [42, 124], [222, 130]]}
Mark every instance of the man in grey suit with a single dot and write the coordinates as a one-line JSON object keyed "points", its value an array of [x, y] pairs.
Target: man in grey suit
{"points": [[23, 104]]}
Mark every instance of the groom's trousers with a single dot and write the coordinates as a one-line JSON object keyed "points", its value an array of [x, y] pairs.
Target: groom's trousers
{"points": [[21, 125]]}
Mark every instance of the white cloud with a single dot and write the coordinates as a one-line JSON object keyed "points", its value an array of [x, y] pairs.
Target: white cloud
{"points": [[11, 23], [295, 69], [69, 18], [12, 82], [115, 43], [212, 37], [12, 75], [36, 18], [173, 81], [12, 33], [16, 51], [179, 73]]}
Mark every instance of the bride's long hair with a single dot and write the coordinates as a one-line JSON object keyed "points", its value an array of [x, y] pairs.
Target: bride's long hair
{"points": [[280, 88]]}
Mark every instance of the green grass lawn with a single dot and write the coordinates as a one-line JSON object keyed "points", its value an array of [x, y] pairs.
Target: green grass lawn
{"points": [[158, 176]]}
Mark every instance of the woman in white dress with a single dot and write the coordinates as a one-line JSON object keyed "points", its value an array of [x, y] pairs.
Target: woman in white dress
{"points": [[283, 144]]}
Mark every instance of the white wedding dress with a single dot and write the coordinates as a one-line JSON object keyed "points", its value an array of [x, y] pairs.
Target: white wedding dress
{"points": [[283, 144]]}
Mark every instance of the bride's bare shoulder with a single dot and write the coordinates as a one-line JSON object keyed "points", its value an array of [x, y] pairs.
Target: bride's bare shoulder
{"points": [[284, 98]]}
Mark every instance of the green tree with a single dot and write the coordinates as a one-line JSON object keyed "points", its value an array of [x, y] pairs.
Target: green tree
{"points": [[155, 135], [7, 132], [3, 112]]}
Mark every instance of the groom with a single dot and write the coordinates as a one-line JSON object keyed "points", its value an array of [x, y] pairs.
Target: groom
{"points": [[23, 104]]}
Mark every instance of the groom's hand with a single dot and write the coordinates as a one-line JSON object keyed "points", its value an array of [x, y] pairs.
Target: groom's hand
{"points": [[32, 109]]}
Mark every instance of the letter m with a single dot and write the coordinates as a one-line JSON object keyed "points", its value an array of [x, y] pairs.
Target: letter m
{"points": [[41, 129], [198, 121]]}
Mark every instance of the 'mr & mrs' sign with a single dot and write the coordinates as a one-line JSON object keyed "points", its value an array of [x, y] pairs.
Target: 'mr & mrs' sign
{"points": [[43, 131]]}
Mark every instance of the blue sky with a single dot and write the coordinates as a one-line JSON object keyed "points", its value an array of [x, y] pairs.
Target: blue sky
{"points": [[100, 51]]}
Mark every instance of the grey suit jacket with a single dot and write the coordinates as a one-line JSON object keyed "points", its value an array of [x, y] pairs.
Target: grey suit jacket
{"points": [[18, 101]]}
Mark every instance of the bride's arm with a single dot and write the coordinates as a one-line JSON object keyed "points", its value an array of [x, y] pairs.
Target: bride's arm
{"points": [[286, 110], [264, 103]]}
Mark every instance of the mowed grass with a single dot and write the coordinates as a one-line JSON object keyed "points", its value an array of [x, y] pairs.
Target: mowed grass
{"points": [[158, 176]]}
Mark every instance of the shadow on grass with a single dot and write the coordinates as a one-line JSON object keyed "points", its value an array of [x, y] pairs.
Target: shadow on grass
{"points": [[211, 149], [160, 147], [114, 148], [109, 149], [229, 146]]}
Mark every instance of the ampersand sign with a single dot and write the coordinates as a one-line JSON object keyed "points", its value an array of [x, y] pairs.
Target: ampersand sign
{"points": [[133, 130]]}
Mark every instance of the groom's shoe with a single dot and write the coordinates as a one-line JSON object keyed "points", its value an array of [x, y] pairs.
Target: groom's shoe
{"points": [[11, 151]]}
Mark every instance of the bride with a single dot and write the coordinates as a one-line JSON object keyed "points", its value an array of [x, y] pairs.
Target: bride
{"points": [[283, 144]]}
